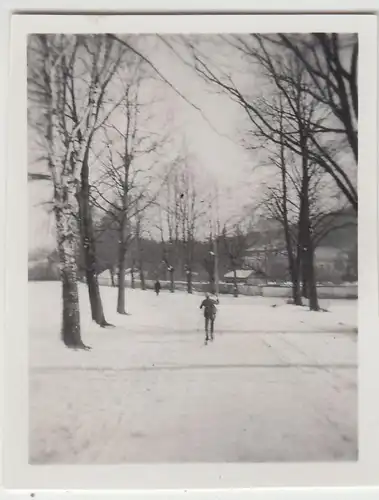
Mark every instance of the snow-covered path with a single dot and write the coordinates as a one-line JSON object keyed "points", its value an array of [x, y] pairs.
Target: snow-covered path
{"points": [[278, 383]]}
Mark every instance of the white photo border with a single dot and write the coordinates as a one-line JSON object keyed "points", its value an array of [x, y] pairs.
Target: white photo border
{"points": [[17, 472]]}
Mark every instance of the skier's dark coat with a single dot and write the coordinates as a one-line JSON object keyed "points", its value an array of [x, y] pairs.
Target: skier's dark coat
{"points": [[209, 307]]}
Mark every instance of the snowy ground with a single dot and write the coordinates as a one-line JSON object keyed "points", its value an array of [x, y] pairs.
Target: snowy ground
{"points": [[278, 384]]}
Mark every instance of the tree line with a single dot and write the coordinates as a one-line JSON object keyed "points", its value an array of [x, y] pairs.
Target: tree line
{"points": [[110, 171], [303, 112]]}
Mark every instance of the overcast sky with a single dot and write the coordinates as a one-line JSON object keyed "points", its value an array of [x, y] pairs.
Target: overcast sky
{"points": [[213, 142], [212, 136]]}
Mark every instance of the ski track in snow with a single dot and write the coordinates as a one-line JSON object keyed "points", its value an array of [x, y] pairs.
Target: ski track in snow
{"points": [[277, 384]]}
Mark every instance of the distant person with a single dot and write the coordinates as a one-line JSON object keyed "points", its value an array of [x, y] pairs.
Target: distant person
{"points": [[210, 311], [157, 287]]}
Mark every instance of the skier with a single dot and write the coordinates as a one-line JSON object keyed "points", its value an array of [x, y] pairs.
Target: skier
{"points": [[210, 311], [157, 287]]}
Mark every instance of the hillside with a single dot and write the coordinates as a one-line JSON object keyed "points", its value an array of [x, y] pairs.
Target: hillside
{"points": [[342, 235]]}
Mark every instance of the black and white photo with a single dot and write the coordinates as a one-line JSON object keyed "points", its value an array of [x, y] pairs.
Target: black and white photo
{"points": [[194, 251]]}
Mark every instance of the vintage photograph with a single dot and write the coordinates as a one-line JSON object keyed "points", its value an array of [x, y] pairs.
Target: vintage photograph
{"points": [[193, 269]]}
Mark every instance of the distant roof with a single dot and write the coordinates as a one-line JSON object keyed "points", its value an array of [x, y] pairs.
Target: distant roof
{"points": [[270, 247], [241, 273]]}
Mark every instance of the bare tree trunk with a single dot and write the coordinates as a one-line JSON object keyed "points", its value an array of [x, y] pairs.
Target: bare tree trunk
{"points": [[304, 281], [140, 256], [216, 277], [66, 236], [296, 296], [142, 276], [189, 280], [90, 270], [133, 281], [112, 273], [212, 283], [293, 264], [88, 245], [70, 330], [311, 279], [121, 295], [295, 273], [305, 235], [295, 278], [235, 284], [172, 282]]}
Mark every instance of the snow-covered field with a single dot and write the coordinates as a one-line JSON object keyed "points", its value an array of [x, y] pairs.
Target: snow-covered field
{"points": [[278, 383]]}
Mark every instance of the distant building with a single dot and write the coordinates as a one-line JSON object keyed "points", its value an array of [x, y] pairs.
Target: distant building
{"points": [[265, 259], [271, 259], [245, 277]]}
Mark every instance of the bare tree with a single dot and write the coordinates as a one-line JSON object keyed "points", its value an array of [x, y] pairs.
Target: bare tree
{"points": [[279, 206], [139, 231], [294, 115], [331, 60], [169, 222], [87, 74], [283, 203], [181, 209], [211, 259], [190, 212], [104, 59], [235, 245], [124, 190], [210, 264], [314, 114], [51, 58], [328, 83]]}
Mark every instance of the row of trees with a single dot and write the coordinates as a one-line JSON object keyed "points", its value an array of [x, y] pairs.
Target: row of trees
{"points": [[305, 117], [237, 249], [85, 109], [91, 114]]}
